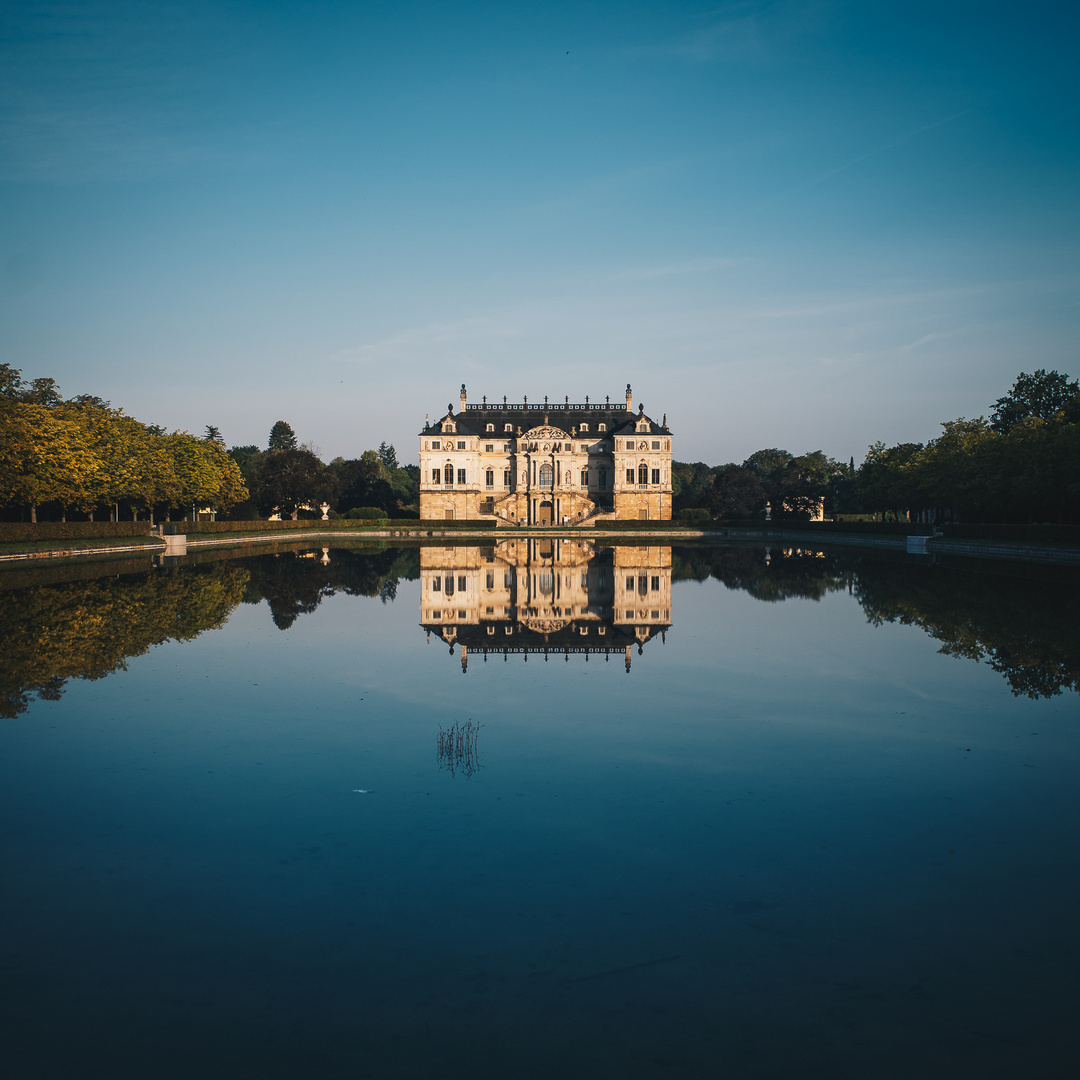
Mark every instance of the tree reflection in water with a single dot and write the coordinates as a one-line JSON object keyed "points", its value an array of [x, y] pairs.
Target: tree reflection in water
{"points": [[84, 621], [1019, 618]]}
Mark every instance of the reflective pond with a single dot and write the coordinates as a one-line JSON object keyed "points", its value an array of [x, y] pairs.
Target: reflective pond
{"points": [[540, 808]]}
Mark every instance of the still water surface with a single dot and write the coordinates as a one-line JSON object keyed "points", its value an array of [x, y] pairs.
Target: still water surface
{"points": [[692, 812]]}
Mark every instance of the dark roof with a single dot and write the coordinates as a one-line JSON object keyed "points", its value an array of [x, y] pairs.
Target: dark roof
{"points": [[525, 639], [475, 418]]}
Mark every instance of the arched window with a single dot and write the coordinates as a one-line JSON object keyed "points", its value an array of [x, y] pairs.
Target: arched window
{"points": [[490, 427], [546, 474], [643, 474], [508, 427], [449, 473]]}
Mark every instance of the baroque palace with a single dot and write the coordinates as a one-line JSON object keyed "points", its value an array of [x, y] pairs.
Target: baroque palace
{"points": [[545, 464]]}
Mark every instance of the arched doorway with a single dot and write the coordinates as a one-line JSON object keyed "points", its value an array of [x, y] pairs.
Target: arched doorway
{"points": [[546, 512]]}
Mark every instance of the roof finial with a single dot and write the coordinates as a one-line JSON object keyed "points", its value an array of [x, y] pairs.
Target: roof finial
{"points": [[629, 399]]}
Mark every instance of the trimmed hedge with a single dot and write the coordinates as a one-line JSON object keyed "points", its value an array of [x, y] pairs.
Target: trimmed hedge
{"points": [[1017, 534], [866, 528], [637, 524], [190, 528], [25, 532]]}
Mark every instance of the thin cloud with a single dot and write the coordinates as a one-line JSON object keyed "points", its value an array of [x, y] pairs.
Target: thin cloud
{"points": [[890, 145]]}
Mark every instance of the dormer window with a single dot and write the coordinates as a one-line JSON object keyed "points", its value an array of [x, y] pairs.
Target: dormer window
{"points": [[448, 428], [508, 427], [601, 427], [490, 427], [584, 427]]}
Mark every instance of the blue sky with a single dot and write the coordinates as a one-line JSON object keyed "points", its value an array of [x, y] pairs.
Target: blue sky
{"points": [[803, 224]]}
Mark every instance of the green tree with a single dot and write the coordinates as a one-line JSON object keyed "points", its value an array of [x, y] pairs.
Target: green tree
{"points": [[1043, 394], [282, 437], [738, 492], [290, 479], [387, 455], [247, 459], [213, 434]]}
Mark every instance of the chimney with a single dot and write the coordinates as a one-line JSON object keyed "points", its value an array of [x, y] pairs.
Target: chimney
{"points": [[629, 399], [462, 397]]}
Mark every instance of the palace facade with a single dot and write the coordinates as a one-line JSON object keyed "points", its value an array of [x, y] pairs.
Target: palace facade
{"points": [[545, 464]]}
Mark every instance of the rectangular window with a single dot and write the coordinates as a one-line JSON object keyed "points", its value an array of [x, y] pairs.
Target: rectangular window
{"points": [[506, 477], [603, 479], [629, 614], [489, 448], [434, 444], [462, 614], [507, 580], [449, 476], [656, 444], [462, 584], [643, 474], [436, 476], [584, 477], [629, 584], [489, 478], [643, 584], [629, 444], [461, 444], [436, 584], [656, 614], [461, 476], [656, 476], [491, 579], [490, 611], [584, 579], [629, 476], [654, 585], [436, 614]]}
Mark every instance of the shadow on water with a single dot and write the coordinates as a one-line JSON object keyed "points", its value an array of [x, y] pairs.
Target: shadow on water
{"points": [[86, 621]]}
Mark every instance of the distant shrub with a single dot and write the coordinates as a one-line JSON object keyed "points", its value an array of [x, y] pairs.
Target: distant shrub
{"points": [[368, 513], [696, 514]]}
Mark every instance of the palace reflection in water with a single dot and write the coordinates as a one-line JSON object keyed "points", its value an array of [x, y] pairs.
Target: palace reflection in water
{"points": [[545, 596], [522, 596]]}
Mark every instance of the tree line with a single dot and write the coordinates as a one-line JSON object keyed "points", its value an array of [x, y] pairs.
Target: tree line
{"points": [[1020, 465], [291, 480], [84, 456]]}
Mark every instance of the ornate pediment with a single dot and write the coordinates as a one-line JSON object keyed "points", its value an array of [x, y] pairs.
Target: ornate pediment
{"points": [[545, 432]]}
